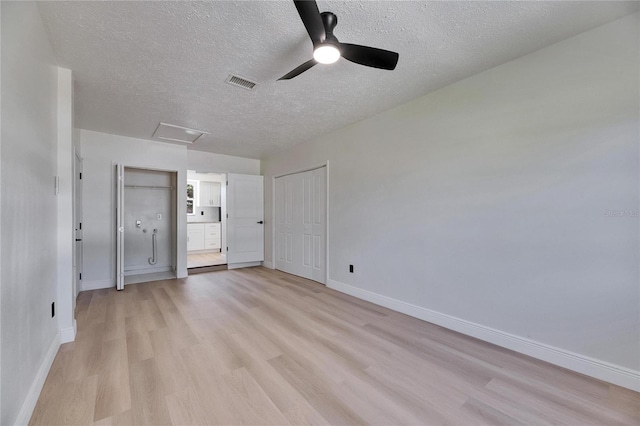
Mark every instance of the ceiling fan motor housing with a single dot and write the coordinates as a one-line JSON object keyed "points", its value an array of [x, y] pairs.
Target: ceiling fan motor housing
{"points": [[329, 20]]}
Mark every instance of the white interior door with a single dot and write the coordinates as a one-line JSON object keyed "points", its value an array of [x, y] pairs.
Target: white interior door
{"points": [[301, 224], [120, 227], [245, 225], [223, 217], [77, 204]]}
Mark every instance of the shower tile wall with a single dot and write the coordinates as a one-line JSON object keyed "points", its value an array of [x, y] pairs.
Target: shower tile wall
{"points": [[204, 214]]}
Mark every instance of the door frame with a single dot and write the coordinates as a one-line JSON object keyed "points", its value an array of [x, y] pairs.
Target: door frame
{"points": [[223, 216], [326, 214], [120, 250], [77, 211]]}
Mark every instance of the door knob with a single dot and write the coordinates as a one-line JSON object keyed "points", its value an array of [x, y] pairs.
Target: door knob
{"points": [[260, 222]]}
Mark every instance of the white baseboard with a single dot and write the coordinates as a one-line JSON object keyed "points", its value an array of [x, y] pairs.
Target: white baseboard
{"points": [[68, 334], [243, 265], [268, 264], [38, 382], [96, 285], [598, 369]]}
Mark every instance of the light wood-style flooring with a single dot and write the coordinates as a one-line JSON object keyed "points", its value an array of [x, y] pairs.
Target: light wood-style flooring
{"points": [[197, 260], [261, 347]]}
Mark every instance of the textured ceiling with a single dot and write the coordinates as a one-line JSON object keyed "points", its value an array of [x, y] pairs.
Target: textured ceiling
{"points": [[139, 63]]}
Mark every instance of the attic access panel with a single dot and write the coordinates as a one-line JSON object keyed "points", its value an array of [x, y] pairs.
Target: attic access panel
{"points": [[175, 133]]}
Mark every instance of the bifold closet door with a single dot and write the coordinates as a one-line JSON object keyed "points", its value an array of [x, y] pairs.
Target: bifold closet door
{"points": [[301, 224]]}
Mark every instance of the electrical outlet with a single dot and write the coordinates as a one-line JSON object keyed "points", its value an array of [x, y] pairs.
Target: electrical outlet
{"points": [[53, 309], [351, 268]]}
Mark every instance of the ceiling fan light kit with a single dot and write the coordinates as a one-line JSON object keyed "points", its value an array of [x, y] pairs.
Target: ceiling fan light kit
{"points": [[326, 54], [326, 47]]}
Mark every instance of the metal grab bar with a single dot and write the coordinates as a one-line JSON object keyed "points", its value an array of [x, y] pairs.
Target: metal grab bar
{"points": [[153, 260]]}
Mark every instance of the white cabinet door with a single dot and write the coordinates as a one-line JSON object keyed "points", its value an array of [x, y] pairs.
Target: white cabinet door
{"points": [[245, 229], [209, 195], [195, 236], [215, 194], [204, 193]]}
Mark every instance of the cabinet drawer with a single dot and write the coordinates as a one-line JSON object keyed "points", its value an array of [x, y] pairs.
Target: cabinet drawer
{"points": [[211, 227], [211, 235], [212, 244], [195, 227]]}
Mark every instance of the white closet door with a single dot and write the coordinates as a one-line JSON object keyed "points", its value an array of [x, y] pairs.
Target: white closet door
{"points": [[318, 224], [284, 225], [301, 224]]}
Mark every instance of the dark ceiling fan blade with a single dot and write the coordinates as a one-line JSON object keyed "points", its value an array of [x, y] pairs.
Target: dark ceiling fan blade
{"points": [[369, 56], [302, 68], [310, 15]]}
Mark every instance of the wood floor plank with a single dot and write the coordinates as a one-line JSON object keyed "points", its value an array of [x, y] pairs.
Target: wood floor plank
{"points": [[624, 400], [147, 397], [249, 394], [478, 412], [257, 346], [112, 394], [316, 391], [185, 408], [72, 403], [139, 347], [121, 419]]}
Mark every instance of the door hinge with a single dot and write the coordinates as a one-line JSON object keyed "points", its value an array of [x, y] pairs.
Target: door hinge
{"points": [[227, 248], [227, 183], [80, 175], [80, 276], [81, 226], [227, 215]]}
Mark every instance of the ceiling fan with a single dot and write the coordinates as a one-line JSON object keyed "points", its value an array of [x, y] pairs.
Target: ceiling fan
{"points": [[326, 47]]}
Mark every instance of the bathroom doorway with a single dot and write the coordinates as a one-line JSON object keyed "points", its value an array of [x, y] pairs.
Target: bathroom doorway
{"points": [[147, 225], [206, 221]]}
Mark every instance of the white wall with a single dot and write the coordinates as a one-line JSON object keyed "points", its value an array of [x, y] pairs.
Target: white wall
{"points": [[28, 209], [486, 206], [100, 153], [207, 177], [208, 162], [65, 225]]}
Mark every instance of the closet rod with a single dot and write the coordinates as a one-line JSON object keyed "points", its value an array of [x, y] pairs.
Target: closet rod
{"points": [[149, 187]]}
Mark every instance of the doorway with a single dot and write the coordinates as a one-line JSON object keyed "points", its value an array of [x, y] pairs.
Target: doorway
{"points": [[146, 225], [206, 221], [300, 228]]}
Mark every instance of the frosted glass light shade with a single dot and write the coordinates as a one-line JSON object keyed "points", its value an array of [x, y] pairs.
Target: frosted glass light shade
{"points": [[326, 54]]}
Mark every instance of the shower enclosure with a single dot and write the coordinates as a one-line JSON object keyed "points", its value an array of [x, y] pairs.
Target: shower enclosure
{"points": [[147, 225]]}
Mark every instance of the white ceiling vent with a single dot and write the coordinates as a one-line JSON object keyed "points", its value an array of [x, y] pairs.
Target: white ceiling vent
{"points": [[173, 133], [234, 80]]}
